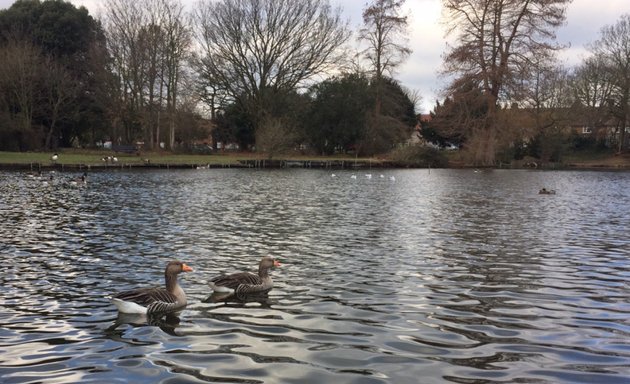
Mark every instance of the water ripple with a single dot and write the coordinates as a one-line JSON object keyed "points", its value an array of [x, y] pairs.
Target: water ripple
{"points": [[446, 275]]}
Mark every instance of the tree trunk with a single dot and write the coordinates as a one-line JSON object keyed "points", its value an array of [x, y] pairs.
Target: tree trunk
{"points": [[624, 120]]}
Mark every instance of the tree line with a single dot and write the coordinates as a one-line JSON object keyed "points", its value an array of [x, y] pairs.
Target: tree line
{"points": [[257, 73], [510, 96], [277, 75]]}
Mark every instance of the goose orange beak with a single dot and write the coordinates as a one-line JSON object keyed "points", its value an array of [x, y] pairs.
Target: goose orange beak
{"points": [[276, 263], [186, 268]]}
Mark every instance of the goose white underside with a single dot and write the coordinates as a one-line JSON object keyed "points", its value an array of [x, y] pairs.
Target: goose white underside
{"points": [[128, 307], [220, 289]]}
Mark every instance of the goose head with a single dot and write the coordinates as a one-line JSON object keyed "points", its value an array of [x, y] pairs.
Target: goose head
{"points": [[268, 262], [175, 267]]}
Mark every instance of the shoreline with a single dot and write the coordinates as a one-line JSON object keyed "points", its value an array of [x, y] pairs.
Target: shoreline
{"points": [[88, 160], [283, 164], [250, 163]]}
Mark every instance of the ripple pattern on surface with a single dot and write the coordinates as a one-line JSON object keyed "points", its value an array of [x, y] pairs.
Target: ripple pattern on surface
{"points": [[446, 275]]}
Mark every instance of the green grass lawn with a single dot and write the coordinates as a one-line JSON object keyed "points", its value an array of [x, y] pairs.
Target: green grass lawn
{"points": [[85, 157], [95, 158], [77, 157]]}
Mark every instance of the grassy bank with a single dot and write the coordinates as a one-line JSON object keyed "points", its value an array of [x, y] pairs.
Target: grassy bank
{"points": [[87, 158], [95, 158], [73, 158]]}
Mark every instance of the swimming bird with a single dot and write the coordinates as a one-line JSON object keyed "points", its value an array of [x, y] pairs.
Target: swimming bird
{"points": [[35, 175], [79, 180], [49, 180], [156, 300], [546, 191], [243, 283], [353, 176]]}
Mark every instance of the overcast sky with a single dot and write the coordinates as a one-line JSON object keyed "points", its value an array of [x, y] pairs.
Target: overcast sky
{"points": [[585, 18]]}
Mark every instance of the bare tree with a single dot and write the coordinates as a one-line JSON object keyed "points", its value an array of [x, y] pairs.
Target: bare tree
{"points": [[150, 45], [178, 37], [20, 76], [123, 23], [614, 48], [546, 95], [592, 90], [548, 100], [497, 40], [384, 30], [148, 41], [275, 136], [60, 91], [253, 48]]}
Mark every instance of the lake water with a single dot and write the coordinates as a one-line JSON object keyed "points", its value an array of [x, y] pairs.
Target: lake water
{"points": [[431, 277]]}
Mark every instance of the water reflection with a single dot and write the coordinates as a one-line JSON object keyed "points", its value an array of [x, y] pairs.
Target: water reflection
{"points": [[448, 275], [166, 323], [239, 298]]}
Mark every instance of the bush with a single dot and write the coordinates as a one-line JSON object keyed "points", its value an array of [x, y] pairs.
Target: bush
{"points": [[419, 156]]}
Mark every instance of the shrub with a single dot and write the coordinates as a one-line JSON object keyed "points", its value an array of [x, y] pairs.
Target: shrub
{"points": [[419, 156]]}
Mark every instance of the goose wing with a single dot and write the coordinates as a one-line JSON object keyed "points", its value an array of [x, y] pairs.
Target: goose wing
{"points": [[247, 289], [234, 280], [148, 296]]}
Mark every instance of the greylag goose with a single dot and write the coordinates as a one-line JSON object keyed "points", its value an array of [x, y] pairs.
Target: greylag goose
{"points": [[155, 300], [243, 283]]}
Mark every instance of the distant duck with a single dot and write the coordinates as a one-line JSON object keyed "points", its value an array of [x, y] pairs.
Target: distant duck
{"points": [[156, 300], [48, 181], [114, 159], [35, 175], [333, 175], [368, 175], [54, 158], [381, 176], [353, 176], [82, 180], [392, 178], [545, 191], [244, 283]]}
